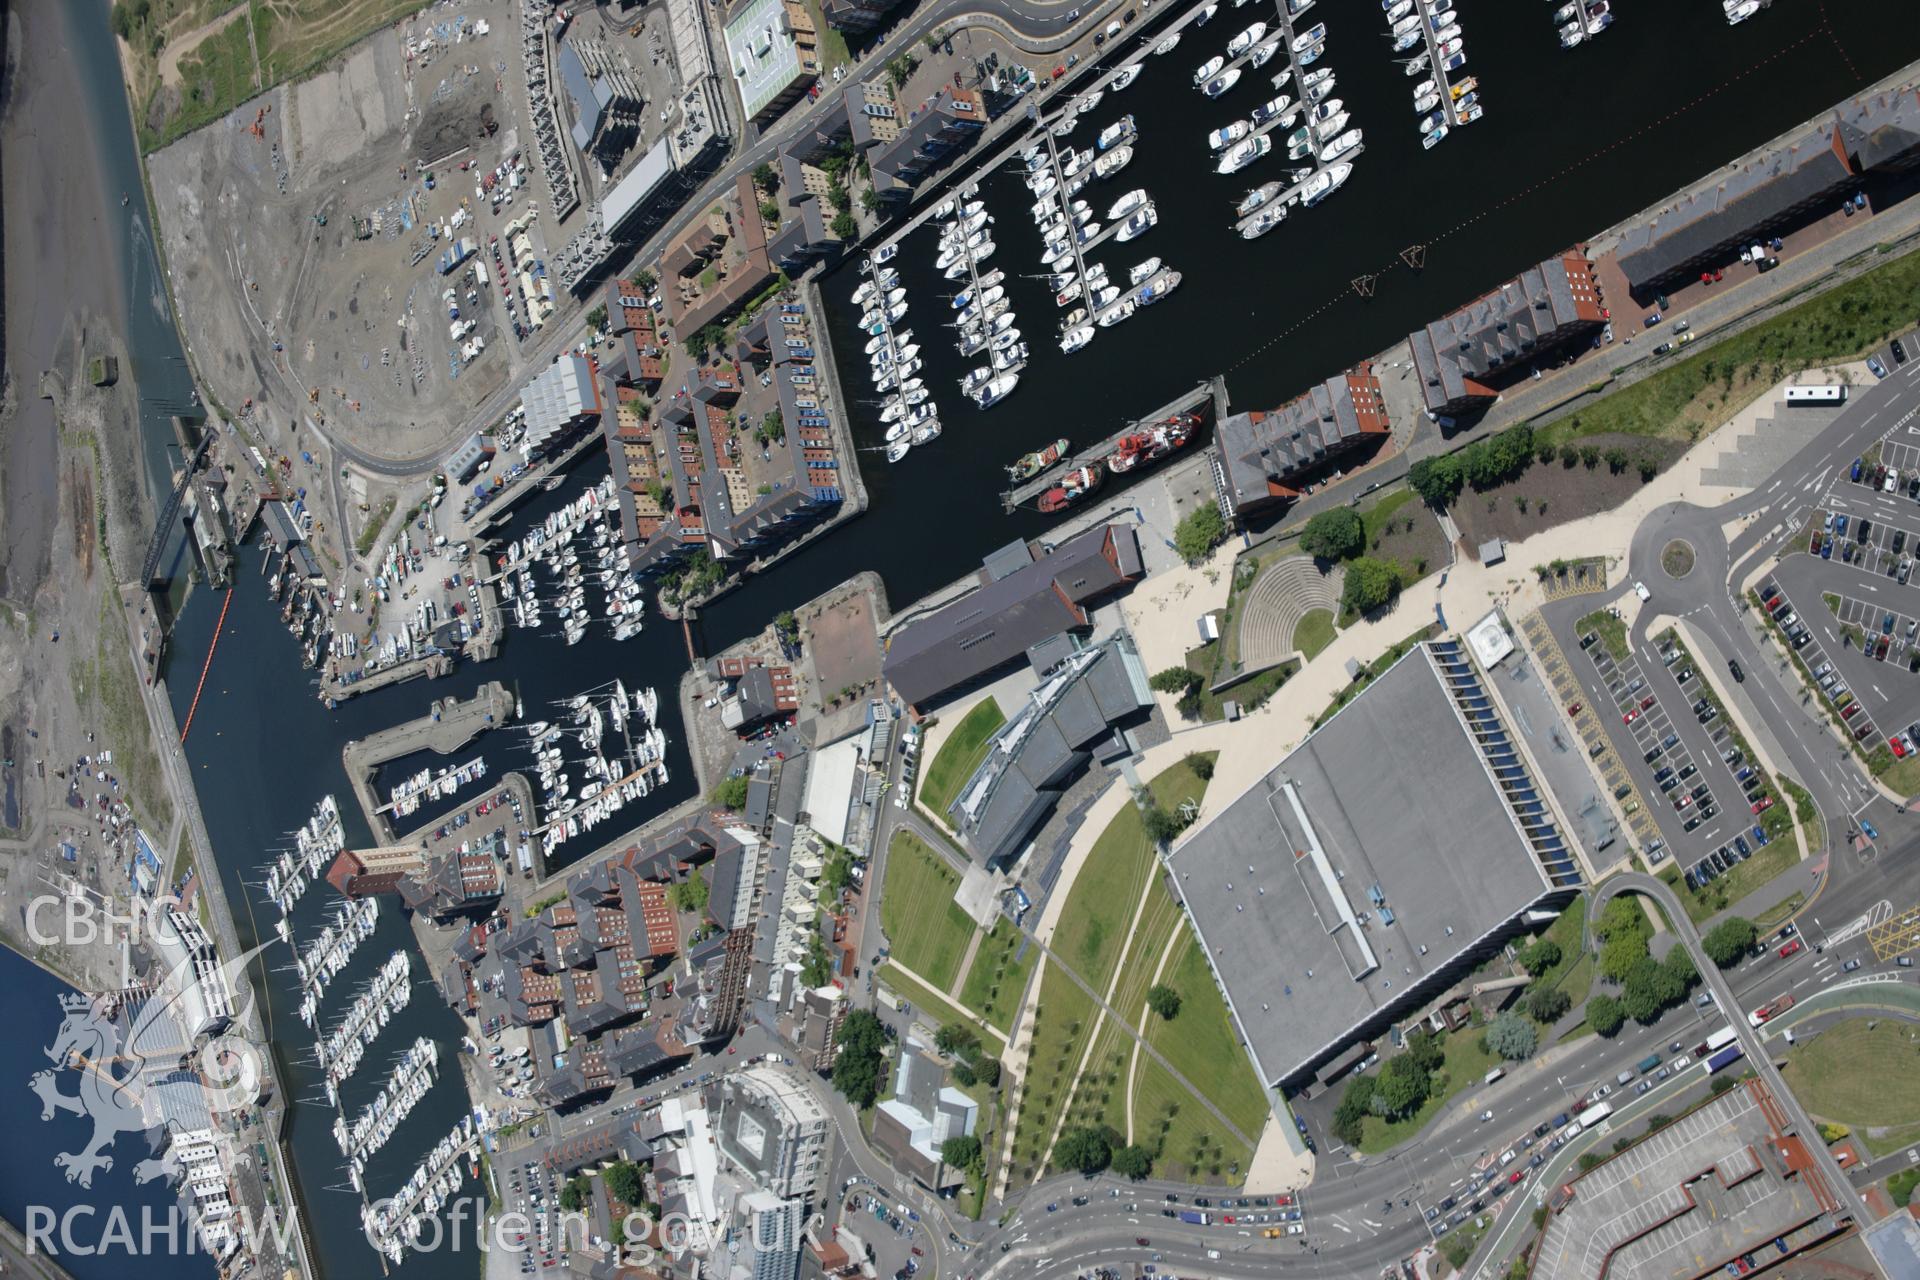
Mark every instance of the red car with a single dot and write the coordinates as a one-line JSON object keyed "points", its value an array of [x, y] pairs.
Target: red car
{"points": [[1763, 804], [1793, 946], [1899, 747], [1633, 713], [1227, 1217], [1646, 702], [1682, 801], [1573, 709], [1515, 1176], [1142, 1241]]}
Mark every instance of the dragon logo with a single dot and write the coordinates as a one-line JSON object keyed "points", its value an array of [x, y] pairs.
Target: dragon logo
{"points": [[130, 1049]]}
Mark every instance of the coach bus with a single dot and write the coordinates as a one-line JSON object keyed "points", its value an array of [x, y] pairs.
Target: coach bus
{"points": [[1830, 394]]}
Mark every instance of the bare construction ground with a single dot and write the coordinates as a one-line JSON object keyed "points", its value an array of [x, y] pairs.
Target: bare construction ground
{"points": [[262, 215]]}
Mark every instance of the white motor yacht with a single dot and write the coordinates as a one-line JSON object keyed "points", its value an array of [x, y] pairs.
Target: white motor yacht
{"points": [[1240, 156], [1325, 183], [1209, 69], [1227, 135], [1076, 338], [1246, 39], [1127, 203], [1221, 83], [1143, 220]]}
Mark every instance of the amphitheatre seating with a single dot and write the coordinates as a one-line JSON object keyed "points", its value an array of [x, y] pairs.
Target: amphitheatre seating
{"points": [[1286, 591]]}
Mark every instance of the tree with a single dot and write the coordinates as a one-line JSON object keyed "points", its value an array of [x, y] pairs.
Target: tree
{"points": [[787, 627], [573, 1196], [1647, 465], [963, 1075], [901, 68], [869, 200], [1174, 680], [1437, 480], [690, 894], [1679, 965], [1403, 1085], [1199, 532], [816, 970], [644, 281], [1616, 459], [1201, 763], [1370, 583], [1727, 941], [1622, 915], [731, 794], [1084, 1149], [987, 1072], [1350, 1116], [1161, 825], [764, 176], [1424, 1048], [960, 1152], [1512, 1037], [597, 318], [1620, 953], [957, 1039], [1541, 956], [1605, 1015], [1135, 1162], [1338, 534], [844, 227], [861, 1045], [624, 1183], [1548, 1005], [1164, 1000]]}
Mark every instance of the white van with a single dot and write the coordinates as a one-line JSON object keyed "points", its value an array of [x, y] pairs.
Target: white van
{"points": [[1494, 1074]]}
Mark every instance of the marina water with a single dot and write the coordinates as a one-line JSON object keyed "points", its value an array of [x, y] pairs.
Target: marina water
{"points": [[264, 750]]}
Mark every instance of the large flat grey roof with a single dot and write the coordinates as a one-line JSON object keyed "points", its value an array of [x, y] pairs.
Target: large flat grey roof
{"points": [[1391, 793]]}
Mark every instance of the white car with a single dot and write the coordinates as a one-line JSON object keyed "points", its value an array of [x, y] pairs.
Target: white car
{"points": [[1640, 589]]}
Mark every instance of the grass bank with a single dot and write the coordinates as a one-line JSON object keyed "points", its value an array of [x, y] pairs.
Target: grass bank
{"points": [[959, 756], [925, 930]]}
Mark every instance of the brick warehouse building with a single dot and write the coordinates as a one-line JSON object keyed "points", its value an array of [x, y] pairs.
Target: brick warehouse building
{"points": [[1464, 358]]}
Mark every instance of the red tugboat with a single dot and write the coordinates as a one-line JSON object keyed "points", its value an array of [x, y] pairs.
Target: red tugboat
{"points": [[1153, 444], [1073, 486]]}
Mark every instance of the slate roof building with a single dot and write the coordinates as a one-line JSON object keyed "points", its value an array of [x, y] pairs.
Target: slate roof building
{"points": [[453, 884], [1460, 357], [1709, 228], [1261, 459], [944, 124], [1882, 133], [1076, 714], [997, 623]]}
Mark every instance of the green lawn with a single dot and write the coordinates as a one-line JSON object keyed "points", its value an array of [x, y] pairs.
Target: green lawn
{"points": [[1201, 1044], [1191, 1143], [1775, 916], [1613, 632], [1851, 1075], [937, 1006], [1467, 1064], [1700, 391], [959, 755], [1766, 863], [996, 979], [1314, 633], [926, 931], [1062, 1023], [1811, 827], [1575, 972], [1100, 906], [1374, 519], [1900, 1187]]}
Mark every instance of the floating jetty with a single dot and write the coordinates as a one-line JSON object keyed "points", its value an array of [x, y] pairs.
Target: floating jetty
{"points": [[329, 952], [400, 1217], [340, 1051], [314, 846], [412, 1076], [625, 760], [409, 794]]}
